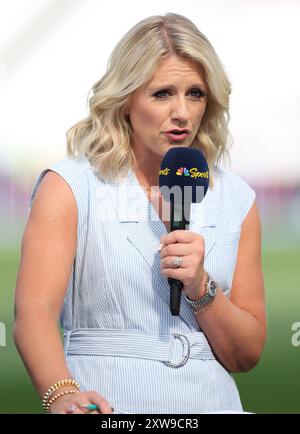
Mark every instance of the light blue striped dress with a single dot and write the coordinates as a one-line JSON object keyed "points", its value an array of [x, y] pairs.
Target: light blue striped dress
{"points": [[120, 337]]}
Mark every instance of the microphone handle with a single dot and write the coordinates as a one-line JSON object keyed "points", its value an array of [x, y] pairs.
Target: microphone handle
{"points": [[175, 295], [178, 221]]}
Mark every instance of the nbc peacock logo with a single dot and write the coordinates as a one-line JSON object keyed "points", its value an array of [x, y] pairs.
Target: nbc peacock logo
{"points": [[183, 171]]}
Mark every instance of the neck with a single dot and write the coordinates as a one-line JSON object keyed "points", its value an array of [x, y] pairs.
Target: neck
{"points": [[146, 171]]}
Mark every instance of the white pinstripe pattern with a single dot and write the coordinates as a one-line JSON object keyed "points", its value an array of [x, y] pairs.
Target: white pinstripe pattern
{"points": [[119, 330]]}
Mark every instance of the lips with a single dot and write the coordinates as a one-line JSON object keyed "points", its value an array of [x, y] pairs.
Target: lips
{"points": [[177, 135], [178, 131]]}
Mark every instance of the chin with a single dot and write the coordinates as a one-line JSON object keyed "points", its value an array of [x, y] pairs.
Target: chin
{"points": [[179, 145]]}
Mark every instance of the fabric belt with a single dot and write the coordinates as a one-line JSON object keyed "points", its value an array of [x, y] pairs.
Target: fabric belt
{"points": [[172, 349]]}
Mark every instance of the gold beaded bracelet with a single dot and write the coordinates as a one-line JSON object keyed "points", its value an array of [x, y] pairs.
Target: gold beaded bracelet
{"points": [[55, 397], [56, 386]]}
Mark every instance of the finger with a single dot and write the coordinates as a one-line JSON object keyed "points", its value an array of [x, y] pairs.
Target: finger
{"points": [[177, 249], [162, 238], [103, 405], [168, 262], [176, 273], [79, 411], [178, 236], [63, 408], [71, 408]]}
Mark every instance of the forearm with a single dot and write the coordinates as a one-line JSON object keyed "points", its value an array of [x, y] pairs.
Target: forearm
{"points": [[38, 340], [235, 335]]}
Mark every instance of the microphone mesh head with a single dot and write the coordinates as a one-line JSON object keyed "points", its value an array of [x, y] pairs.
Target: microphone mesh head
{"points": [[184, 175]]}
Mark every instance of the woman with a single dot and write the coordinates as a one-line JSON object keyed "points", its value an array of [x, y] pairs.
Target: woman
{"points": [[92, 255]]}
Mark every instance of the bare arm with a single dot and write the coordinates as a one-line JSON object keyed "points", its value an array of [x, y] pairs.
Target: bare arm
{"points": [[236, 327], [48, 250]]}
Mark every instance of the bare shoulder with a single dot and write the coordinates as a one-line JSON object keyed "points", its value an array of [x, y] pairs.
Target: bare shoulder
{"points": [[247, 290], [53, 196], [48, 245], [54, 211]]}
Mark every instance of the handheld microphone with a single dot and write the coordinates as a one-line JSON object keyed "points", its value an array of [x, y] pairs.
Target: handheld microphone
{"points": [[183, 179]]}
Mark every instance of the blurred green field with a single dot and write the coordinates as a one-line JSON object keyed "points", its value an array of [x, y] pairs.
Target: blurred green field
{"points": [[272, 387]]}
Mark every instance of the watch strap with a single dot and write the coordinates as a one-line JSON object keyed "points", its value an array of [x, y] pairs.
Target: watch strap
{"points": [[211, 289]]}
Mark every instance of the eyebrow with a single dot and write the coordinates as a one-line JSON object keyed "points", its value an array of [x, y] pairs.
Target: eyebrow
{"points": [[155, 86]]}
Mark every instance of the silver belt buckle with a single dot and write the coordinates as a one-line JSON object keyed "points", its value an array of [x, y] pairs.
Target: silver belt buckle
{"points": [[185, 357]]}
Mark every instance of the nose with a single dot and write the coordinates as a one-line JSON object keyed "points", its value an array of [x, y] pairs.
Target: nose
{"points": [[180, 110]]}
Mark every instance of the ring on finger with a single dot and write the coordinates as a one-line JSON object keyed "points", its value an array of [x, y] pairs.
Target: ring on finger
{"points": [[71, 408], [177, 260]]}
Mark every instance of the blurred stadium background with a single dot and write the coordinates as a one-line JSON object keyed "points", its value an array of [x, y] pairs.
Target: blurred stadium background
{"points": [[51, 52]]}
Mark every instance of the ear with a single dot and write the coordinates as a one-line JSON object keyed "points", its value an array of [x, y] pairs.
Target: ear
{"points": [[126, 114], [126, 107]]}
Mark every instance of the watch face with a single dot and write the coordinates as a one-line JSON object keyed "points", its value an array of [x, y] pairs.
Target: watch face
{"points": [[212, 288]]}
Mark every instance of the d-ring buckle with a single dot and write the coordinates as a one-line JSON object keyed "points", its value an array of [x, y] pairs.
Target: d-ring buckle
{"points": [[185, 356]]}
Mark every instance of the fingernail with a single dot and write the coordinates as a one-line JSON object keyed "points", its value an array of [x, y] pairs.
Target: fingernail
{"points": [[160, 247]]}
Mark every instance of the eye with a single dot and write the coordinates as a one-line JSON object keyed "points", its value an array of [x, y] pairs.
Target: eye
{"points": [[162, 93], [197, 93]]}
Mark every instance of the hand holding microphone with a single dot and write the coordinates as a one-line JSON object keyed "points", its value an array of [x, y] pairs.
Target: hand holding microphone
{"points": [[183, 179], [191, 248]]}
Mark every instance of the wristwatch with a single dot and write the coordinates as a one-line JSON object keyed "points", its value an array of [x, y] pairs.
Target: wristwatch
{"points": [[211, 291]]}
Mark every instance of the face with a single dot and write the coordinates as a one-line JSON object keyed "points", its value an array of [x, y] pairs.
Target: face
{"points": [[167, 111]]}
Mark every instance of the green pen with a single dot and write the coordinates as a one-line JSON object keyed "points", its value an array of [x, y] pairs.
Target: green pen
{"points": [[90, 406]]}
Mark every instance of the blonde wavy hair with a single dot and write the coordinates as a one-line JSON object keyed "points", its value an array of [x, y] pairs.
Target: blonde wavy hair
{"points": [[105, 136]]}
